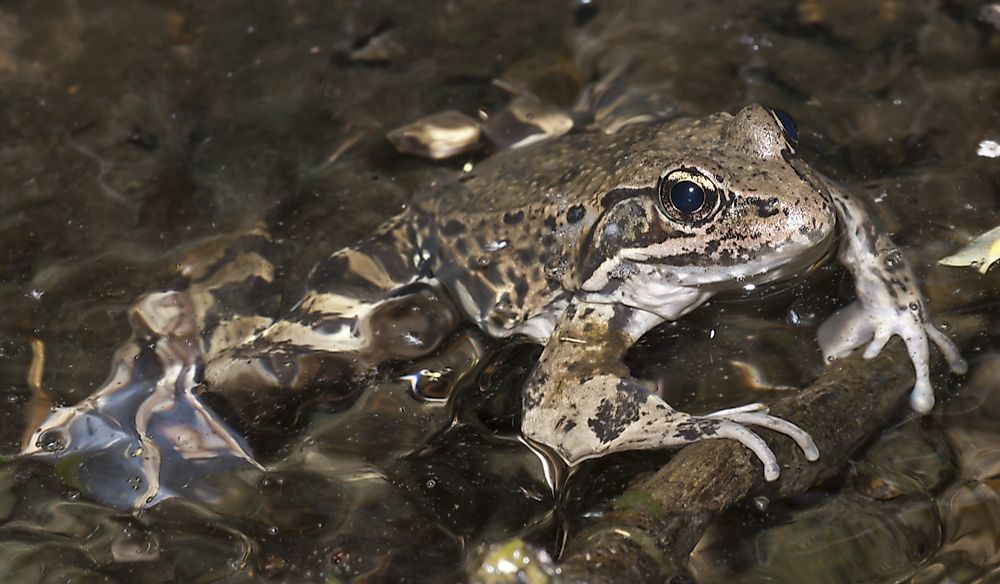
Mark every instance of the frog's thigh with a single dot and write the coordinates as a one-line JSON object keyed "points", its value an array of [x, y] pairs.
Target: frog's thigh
{"points": [[366, 304], [310, 349]]}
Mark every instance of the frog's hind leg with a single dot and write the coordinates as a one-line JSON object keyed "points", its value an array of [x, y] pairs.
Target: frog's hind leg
{"points": [[365, 305], [611, 414], [581, 402]]}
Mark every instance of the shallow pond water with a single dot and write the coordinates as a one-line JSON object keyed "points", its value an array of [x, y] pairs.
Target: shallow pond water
{"points": [[135, 132]]}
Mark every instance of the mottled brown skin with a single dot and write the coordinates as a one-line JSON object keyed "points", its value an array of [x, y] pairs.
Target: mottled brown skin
{"points": [[546, 212], [588, 255], [578, 243]]}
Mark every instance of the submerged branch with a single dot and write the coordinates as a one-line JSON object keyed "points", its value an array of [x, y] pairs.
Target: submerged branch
{"points": [[652, 527]]}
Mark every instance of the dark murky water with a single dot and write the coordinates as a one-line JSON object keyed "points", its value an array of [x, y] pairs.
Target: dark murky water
{"points": [[132, 131]]}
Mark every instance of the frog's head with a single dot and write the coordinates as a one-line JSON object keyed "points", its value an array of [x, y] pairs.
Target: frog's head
{"points": [[714, 204]]}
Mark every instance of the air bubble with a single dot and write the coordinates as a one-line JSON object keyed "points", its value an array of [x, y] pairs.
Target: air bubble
{"points": [[893, 259], [51, 441]]}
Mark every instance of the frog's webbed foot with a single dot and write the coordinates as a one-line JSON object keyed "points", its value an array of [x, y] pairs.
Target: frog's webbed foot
{"points": [[734, 425], [610, 414], [856, 325], [889, 303], [756, 414]]}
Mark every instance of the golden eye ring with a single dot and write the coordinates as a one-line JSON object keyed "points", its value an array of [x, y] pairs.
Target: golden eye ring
{"points": [[688, 196]]}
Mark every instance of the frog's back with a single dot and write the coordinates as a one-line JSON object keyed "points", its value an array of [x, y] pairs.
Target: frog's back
{"points": [[574, 166], [505, 235]]}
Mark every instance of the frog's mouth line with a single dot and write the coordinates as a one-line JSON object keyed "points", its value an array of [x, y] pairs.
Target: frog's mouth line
{"points": [[671, 291], [756, 291], [775, 266], [801, 262]]}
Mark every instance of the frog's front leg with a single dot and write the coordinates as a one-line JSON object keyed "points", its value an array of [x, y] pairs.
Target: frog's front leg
{"points": [[888, 303], [582, 402]]}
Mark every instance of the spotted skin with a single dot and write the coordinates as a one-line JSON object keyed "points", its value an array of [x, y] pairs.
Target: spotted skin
{"points": [[581, 399], [577, 244]]}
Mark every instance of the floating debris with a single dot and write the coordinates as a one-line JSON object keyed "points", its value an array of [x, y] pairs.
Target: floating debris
{"points": [[526, 120], [438, 136], [981, 253], [514, 561], [991, 13], [989, 149]]}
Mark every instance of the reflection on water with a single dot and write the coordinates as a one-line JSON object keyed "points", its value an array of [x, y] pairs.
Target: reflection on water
{"points": [[146, 426], [131, 132]]}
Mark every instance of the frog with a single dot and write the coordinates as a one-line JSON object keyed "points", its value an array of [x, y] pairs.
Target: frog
{"points": [[582, 244]]}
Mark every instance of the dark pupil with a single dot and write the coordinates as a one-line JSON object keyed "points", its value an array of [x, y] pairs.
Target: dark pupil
{"points": [[687, 197], [787, 124]]}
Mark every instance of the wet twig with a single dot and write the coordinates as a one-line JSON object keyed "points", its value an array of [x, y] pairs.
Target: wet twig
{"points": [[653, 526]]}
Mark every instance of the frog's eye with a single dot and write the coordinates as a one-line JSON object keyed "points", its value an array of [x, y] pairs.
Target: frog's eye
{"points": [[787, 124], [688, 196]]}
